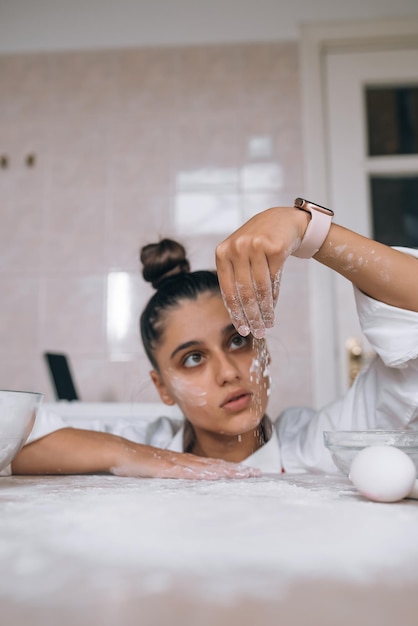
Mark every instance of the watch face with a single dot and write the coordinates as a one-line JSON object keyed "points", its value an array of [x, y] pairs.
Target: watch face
{"points": [[306, 205]]}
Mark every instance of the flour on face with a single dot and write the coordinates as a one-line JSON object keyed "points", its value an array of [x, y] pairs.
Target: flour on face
{"points": [[188, 390]]}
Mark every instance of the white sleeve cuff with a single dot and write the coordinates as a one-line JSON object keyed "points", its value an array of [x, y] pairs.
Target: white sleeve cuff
{"points": [[46, 423], [392, 332]]}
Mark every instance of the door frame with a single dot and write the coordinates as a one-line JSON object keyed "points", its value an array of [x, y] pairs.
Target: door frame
{"points": [[316, 41]]}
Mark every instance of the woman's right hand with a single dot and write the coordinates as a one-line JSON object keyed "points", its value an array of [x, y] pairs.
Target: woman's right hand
{"points": [[250, 262], [149, 462]]}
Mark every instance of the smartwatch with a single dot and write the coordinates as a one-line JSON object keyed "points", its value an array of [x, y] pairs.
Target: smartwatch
{"points": [[317, 230]]}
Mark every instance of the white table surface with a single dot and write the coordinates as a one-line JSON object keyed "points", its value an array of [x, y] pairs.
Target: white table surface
{"points": [[288, 550]]}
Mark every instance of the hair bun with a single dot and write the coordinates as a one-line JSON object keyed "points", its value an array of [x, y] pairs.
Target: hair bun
{"points": [[162, 260]]}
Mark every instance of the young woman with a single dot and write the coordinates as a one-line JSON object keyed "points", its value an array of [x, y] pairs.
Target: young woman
{"points": [[219, 377]]}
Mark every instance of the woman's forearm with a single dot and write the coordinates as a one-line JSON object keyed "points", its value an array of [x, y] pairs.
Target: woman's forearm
{"points": [[379, 271], [77, 451], [67, 451]]}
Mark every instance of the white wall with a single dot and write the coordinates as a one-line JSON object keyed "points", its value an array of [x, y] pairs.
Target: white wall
{"points": [[35, 25]]}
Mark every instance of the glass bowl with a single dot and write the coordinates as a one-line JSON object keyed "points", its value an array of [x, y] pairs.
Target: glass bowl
{"points": [[345, 444], [18, 410]]}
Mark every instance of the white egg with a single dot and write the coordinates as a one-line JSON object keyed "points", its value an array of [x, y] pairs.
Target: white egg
{"points": [[383, 473]]}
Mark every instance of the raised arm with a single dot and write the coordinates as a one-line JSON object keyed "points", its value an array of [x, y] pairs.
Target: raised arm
{"points": [[250, 262], [379, 271], [76, 451]]}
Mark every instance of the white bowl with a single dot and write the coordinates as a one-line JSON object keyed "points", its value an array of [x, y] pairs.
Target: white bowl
{"points": [[345, 444], [18, 411]]}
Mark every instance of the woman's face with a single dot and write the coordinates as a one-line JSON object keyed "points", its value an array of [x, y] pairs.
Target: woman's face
{"points": [[218, 379]]}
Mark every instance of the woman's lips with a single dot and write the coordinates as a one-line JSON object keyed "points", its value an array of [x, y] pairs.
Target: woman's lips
{"points": [[237, 402]]}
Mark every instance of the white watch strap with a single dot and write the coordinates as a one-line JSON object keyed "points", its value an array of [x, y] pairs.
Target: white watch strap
{"points": [[315, 234]]}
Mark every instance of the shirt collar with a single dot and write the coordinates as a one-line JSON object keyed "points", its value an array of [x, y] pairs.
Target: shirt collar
{"points": [[267, 458]]}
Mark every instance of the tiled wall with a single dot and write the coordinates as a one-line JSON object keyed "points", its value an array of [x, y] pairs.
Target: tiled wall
{"points": [[130, 145]]}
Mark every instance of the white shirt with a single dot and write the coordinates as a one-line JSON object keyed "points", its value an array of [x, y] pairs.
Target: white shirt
{"points": [[384, 396]]}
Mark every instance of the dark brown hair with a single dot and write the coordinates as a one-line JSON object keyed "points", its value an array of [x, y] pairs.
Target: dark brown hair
{"points": [[166, 267]]}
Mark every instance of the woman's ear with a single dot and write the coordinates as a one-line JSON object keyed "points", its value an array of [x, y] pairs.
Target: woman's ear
{"points": [[164, 394]]}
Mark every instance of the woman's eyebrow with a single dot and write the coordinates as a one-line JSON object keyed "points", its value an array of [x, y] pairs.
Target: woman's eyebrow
{"points": [[185, 346], [228, 329], [194, 343]]}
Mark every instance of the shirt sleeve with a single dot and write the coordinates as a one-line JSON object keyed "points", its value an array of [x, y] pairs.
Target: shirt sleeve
{"points": [[46, 422], [156, 432], [392, 332], [383, 396]]}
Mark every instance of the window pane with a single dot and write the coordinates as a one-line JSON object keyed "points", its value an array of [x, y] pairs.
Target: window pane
{"points": [[392, 120], [395, 210]]}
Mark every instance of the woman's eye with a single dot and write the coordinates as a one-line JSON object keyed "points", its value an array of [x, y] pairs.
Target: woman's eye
{"points": [[192, 360], [238, 341]]}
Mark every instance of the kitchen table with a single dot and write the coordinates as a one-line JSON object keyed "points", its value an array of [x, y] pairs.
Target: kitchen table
{"points": [[289, 550]]}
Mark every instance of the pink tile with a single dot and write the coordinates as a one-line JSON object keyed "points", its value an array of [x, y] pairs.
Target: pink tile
{"points": [[19, 314], [77, 155], [148, 172], [122, 250], [209, 77], [26, 372], [80, 253], [25, 85], [140, 214], [270, 75], [30, 137], [73, 314], [77, 135], [93, 382], [146, 79], [104, 380], [83, 83], [205, 138], [23, 254], [76, 211], [22, 217], [81, 172], [139, 152]]}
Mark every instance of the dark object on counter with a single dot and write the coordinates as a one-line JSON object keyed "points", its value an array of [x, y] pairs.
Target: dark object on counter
{"points": [[62, 379]]}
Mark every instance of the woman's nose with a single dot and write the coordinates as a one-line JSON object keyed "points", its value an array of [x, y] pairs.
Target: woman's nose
{"points": [[226, 369]]}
